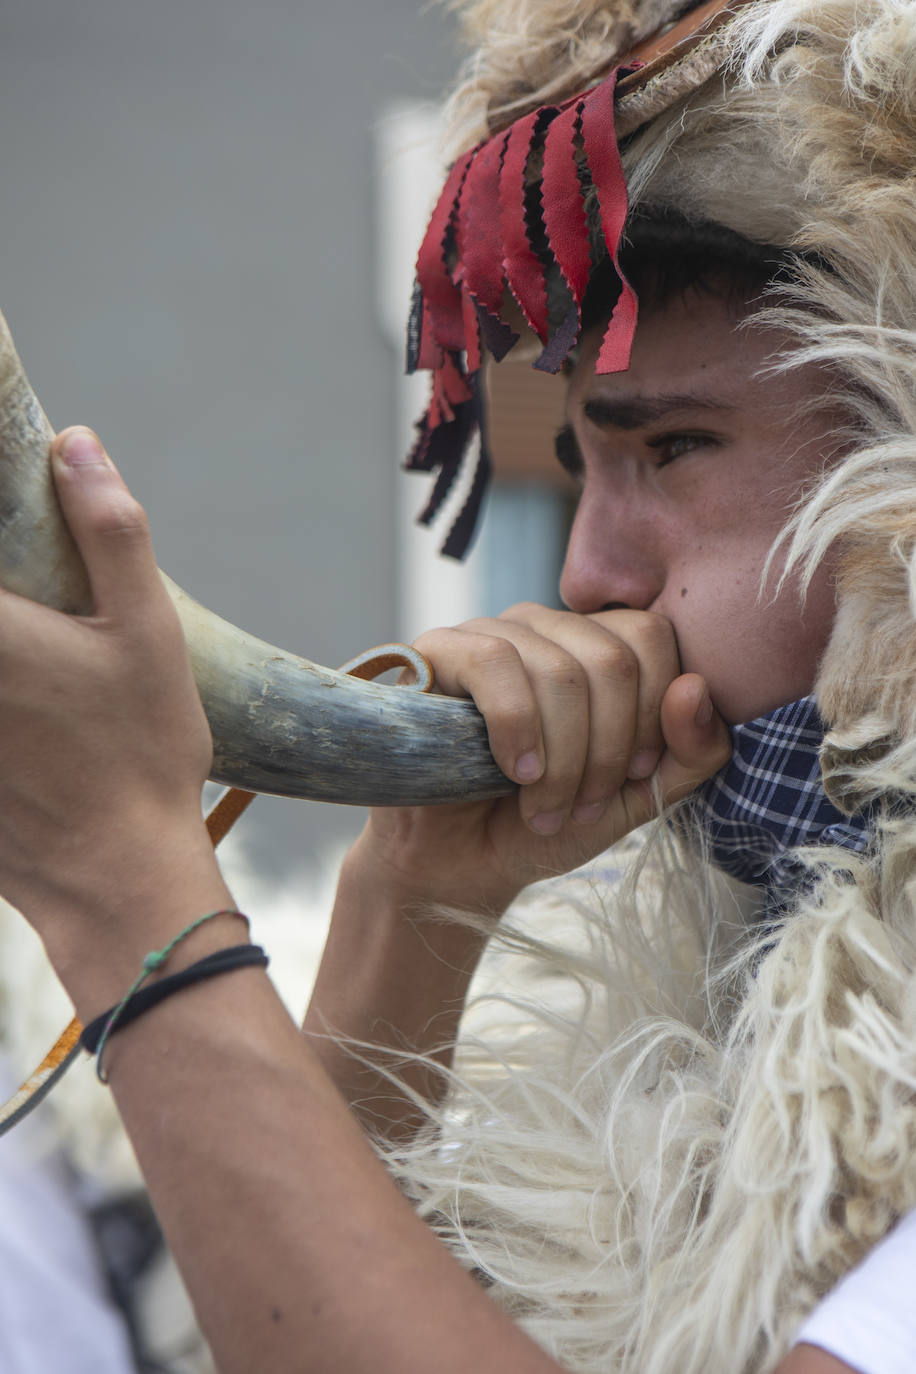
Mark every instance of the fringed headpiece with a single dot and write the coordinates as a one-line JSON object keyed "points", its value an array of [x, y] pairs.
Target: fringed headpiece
{"points": [[524, 217]]}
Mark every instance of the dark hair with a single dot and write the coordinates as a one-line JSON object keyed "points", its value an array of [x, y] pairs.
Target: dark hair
{"points": [[663, 254]]}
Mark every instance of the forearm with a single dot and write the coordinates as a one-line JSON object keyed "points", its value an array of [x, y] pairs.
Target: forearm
{"points": [[394, 976], [810, 1359], [297, 1249]]}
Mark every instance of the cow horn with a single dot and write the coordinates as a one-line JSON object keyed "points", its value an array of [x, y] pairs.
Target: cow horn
{"points": [[279, 723]]}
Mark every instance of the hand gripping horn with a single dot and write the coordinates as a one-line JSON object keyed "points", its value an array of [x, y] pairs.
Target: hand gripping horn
{"points": [[279, 723]]}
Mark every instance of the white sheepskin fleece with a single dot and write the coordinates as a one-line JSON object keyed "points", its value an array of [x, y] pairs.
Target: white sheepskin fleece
{"points": [[670, 1129]]}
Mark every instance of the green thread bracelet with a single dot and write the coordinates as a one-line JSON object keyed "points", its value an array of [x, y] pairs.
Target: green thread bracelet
{"points": [[152, 962]]}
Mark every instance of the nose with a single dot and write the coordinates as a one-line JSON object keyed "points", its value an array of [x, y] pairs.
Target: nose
{"points": [[615, 556]]}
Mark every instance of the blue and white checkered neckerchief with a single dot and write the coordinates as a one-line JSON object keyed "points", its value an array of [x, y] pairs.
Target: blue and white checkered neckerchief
{"points": [[769, 800]]}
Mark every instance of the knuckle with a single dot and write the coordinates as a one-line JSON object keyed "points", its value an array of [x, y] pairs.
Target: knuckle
{"points": [[490, 654], [654, 632], [563, 674], [616, 661], [444, 647], [524, 611], [431, 640], [477, 625], [510, 721], [122, 518]]}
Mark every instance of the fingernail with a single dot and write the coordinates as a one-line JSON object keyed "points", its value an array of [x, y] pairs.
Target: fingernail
{"points": [[704, 710], [588, 813], [643, 763], [528, 768], [80, 448], [547, 822]]}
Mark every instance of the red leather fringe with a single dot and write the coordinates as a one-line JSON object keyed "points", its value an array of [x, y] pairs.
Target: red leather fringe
{"points": [[511, 214]]}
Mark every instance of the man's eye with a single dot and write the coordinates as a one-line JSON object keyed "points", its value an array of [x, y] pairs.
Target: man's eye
{"points": [[671, 446]]}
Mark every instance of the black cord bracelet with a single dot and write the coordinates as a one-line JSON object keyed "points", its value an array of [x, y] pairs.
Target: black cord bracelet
{"points": [[221, 961]]}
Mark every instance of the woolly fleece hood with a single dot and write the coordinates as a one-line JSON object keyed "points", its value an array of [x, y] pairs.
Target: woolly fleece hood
{"points": [[676, 1130]]}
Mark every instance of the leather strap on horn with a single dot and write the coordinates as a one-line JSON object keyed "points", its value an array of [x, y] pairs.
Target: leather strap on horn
{"points": [[373, 662], [226, 812], [220, 820]]}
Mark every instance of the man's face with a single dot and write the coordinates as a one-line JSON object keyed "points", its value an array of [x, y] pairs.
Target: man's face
{"points": [[689, 465]]}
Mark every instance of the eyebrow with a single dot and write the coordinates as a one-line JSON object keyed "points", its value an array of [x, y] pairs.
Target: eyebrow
{"points": [[633, 412]]}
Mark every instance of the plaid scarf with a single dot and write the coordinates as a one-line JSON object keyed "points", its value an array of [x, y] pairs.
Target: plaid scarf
{"points": [[769, 800]]}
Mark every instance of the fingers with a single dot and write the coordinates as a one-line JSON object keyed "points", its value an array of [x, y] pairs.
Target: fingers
{"points": [[108, 525], [620, 666], [479, 660], [572, 703], [697, 743], [631, 658]]}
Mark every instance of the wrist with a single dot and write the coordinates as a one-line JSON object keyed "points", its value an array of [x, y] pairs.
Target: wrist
{"points": [[98, 977], [383, 934], [400, 865], [394, 975], [96, 939]]}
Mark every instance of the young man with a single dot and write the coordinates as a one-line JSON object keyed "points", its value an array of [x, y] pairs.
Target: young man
{"points": [[677, 1197]]}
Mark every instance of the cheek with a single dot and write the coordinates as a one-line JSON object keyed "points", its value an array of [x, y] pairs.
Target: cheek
{"points": [[755, 653]]}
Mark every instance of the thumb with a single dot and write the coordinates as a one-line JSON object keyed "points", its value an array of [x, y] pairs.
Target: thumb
{"points": [[107, 523], [697, 744], [697, 739]]}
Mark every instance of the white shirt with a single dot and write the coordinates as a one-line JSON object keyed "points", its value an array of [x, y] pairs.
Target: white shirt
{"points": [[55, 1312], [869, 1319]]}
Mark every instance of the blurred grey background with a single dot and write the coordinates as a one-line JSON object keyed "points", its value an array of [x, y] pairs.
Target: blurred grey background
{"points": [[186, 263], [202, 205]]}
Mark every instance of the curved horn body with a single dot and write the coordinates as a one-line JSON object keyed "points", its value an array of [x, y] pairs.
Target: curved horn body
{"points": [[279, 723]]}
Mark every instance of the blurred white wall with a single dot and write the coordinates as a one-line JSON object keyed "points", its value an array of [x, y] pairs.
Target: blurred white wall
{"points": [[431, 590], [187, 254], [519, 546]]}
